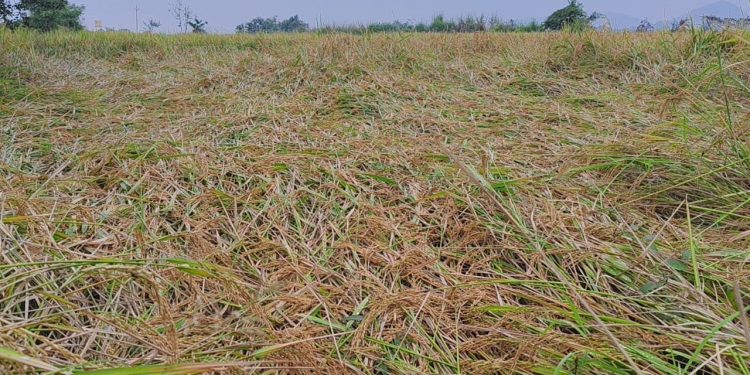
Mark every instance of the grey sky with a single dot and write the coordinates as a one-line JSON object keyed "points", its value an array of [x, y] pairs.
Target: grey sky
{"points": [[224, 15]]}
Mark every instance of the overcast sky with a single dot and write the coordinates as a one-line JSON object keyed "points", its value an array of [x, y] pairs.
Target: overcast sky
{"points": [[224, 15]]}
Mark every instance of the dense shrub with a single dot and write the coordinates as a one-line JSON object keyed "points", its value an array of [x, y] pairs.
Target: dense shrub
{"points": [[273, 25]]}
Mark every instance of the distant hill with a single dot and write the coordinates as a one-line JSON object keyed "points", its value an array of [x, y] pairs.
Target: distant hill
{"points": [[719, 9], [722, 9]]}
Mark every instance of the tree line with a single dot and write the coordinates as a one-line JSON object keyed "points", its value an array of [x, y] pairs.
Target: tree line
{"points": [[572, 16], [48, 15]]}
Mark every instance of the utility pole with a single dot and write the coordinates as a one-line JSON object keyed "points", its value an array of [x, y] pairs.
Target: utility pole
{"points": [[137, 26]]}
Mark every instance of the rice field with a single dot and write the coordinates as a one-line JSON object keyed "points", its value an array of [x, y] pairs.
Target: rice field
{"points": [[550, 203]]}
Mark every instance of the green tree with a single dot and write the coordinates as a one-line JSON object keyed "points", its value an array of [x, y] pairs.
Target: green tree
{"points": [[259, 25], [573, 15], [48, 15], [293, 25], [6, 12], [151, 25], [197, 25]]}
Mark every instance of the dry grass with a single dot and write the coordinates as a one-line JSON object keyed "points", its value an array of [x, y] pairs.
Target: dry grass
{"points": [[478, 204]]}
